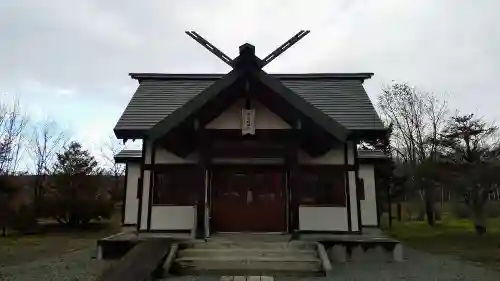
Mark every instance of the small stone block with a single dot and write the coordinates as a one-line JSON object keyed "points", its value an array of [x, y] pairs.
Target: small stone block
{"points": [[338, 253], [226, 278], [266, 278], [357, 253], [253, 278], [99, 253], [398, 253], [239, 278], [382, 253]]}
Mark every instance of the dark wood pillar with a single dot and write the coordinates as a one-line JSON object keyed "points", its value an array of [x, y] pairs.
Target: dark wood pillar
{"points": [[151, 183], [347, 186], [292, 165], [359, 186], [140, 185], [204, 161]]}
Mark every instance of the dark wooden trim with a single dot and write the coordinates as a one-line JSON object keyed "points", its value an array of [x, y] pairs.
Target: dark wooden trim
{"points": [[141, 186], [124, 193], [128, 224], [172, 205], [158, 167], [322, 205], [166, 231], [377, 195], [203, 163], [273, 162], [210, 193], [292, 167], [151, 183], [278, 166], [193, 105], [373, 134], [323, 232], [356, 175], [328, 166], [247, 152], [348, 191], [318, 117], [125, 160], [373, 161], [235, 134], [127, 134]]}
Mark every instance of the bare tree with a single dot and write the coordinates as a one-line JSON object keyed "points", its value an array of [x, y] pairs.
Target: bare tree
{"points": [[416, 120], [12, 134], [110, 148], [47, 138]]}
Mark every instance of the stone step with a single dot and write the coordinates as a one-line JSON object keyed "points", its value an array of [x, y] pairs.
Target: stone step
{"points": [[283, 266], [253, 245], [249, 253]]}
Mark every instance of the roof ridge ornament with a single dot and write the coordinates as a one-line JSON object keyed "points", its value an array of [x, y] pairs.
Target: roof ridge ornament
{"points": [[247, 51]]}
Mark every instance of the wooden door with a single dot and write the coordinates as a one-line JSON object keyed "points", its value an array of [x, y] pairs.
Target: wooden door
{"points": [[248, 199]]}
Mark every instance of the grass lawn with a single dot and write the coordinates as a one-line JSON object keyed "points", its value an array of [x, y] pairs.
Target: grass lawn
{"points": [[453, 237], [55, 240]]}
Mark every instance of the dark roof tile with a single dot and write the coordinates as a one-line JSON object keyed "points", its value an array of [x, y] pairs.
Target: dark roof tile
{"points": [[340, 96]]}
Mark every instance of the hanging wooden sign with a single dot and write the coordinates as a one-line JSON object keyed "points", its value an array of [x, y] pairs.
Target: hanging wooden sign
{"points": [[248, 121]]}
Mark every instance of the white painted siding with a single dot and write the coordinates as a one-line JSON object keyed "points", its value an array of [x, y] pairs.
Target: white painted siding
{"points": [[131, 200], [353, 200], [173, 217], [145, 200], [319, 217], [369, 204], [163, 156], [323, 218], [264, 118], [332, 157]]}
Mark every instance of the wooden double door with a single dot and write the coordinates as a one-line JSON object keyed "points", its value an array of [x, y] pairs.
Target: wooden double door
{"points": [[248, 199]]}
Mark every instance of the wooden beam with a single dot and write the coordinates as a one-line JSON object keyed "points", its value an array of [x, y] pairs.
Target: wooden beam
{"points": [[348, 188], [293, 174], [356, 172], [151, 183], [124, 201], [192, 106], [262, 152], [140, 186]]}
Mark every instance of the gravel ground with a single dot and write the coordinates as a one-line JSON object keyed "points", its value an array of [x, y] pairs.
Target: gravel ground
{"points": [[78, 265], [417, 266]]}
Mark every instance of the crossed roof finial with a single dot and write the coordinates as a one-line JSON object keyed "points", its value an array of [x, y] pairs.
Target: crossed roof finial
{"points": [[247, 49]]}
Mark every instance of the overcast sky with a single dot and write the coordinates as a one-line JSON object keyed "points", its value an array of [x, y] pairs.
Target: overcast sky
{"points": [[69, 60]]}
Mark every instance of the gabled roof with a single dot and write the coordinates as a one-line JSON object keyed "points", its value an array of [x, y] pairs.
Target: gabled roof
{"points": [[128, 155], [371, 154], [340, 96]]}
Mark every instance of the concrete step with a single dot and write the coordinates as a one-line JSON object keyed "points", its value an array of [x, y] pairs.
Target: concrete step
{"points": [[249, 253], [303, 245], [226, 265]]}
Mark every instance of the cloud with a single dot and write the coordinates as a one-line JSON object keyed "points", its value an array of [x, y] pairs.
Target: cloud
{"points": [[67, 57]]}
